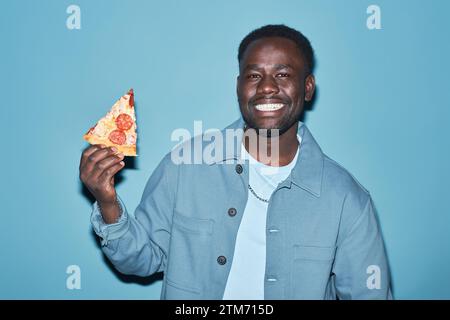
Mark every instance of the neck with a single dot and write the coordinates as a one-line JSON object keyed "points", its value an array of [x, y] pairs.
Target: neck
{"points": [[264, 148]]}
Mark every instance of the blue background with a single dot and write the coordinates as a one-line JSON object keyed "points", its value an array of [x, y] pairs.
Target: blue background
{"points": [[382, 111]]}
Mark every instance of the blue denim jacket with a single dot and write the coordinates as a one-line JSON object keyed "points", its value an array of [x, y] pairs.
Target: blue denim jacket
{"points": [[327, 243]]}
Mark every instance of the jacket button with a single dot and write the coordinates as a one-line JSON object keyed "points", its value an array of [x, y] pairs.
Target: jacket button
{"points": [[221, 260], [232, 212], [239, 168]]}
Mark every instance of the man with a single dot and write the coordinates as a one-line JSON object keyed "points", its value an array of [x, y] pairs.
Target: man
{"points": [[233, 228]]}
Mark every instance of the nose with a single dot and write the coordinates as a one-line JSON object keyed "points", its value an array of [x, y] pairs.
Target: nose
{"points": [[268, 86]]}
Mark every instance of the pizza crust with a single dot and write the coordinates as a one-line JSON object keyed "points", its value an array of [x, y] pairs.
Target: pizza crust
{"points": [[127, 150]]}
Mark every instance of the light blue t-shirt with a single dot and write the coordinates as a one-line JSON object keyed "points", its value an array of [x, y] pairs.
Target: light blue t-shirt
{"points": [[246, 278]]}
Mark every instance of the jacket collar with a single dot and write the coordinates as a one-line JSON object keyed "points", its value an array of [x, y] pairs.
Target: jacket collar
{"points": [[308, 170]]}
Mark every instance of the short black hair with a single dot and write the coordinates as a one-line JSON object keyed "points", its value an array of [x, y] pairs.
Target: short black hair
{"points": [[280, 30]]}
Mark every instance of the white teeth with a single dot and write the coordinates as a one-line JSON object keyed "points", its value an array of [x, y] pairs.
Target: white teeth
{"points": [[269, 106]]}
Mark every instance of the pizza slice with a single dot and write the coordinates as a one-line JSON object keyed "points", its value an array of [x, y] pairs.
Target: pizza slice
{"points": [[118, 127]]}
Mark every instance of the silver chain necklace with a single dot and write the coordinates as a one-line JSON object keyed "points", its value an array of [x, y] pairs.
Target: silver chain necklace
{"points": [[258, 197]]}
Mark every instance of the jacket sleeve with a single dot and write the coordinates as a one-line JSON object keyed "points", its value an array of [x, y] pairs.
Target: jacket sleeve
{"points": [[360, 268], [138, 245]]}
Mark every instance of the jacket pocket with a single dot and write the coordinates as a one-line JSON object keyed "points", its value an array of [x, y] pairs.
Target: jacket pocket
{"points": [[193, 225], [311, 271], [189, 260]]}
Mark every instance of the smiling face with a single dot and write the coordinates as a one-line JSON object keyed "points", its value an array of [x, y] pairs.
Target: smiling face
{"points": [[273, 84]]}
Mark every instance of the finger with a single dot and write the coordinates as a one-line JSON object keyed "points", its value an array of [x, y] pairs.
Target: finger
{"points": [[91, 149], [104, 164], [98, 155], [109, 173], [88, 152]]}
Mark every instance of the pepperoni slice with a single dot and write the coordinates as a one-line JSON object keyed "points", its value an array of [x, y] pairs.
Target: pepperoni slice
{"points": [[117, 137], [124, 121]]}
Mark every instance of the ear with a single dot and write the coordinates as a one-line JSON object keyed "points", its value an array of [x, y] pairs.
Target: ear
{"points": [[310, 86]]}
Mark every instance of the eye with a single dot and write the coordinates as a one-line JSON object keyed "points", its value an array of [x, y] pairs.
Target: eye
{"points": [[253, 76], [282, 75]]}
